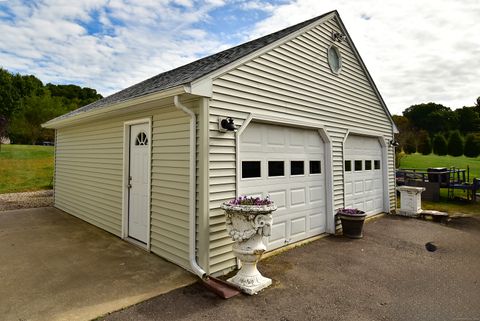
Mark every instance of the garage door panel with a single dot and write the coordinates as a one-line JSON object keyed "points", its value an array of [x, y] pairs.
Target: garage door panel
{"points": [[316, 222], [299, 195], [299, 226], [278, 233], [369, 205], [368, 185], [279, 198], [378, 203], [348, 188], [316, 193], [296, 139], [274, 135], [358, 187]]}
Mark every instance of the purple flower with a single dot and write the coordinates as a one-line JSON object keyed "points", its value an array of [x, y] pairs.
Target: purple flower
{"points": [[250, 200], [350, 211]]}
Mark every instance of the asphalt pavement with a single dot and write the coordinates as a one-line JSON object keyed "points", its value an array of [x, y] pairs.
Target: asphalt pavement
{"points": [[390, 274]]}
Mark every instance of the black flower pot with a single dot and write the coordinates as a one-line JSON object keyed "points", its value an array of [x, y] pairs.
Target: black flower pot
{"points": [[352, 224]]}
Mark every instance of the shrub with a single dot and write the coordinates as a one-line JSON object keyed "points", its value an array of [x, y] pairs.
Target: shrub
{"points": [[425, 145], [455, 144], [410, 146], [440, 145], [472, 145]]}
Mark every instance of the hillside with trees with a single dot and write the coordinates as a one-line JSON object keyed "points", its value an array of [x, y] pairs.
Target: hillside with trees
{"points": [[26, 103], [431, 127]]}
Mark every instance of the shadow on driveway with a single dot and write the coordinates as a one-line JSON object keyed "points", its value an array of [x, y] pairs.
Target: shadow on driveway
{"points": [[387, 275]]}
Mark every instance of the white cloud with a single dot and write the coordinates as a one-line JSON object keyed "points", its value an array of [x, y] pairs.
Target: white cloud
{"points": [[416, 51], [136, 40]]}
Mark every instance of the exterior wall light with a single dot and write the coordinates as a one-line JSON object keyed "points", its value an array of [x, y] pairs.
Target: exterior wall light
{"points": [[226, 125], [394, 143]]}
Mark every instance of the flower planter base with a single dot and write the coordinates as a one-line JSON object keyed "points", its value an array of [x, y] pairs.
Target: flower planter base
{"points": [[352, 226], [247, 225], [248, 278]]}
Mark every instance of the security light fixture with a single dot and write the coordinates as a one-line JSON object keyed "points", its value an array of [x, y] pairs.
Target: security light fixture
{"points": [[226, 125], [394, 143], [337, 36]]}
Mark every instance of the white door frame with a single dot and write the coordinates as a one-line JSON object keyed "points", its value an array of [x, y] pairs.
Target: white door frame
{"points": [[126, 168], [330, 214], [383, 144]]}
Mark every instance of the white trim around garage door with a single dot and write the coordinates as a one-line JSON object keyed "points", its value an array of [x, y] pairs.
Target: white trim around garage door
{"points": [[330, 214], [126, 165], [383, 144]]}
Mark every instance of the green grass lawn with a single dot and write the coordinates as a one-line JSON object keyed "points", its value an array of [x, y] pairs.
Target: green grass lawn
{"points": [[459, 204], [422, 162], [25, 168]]}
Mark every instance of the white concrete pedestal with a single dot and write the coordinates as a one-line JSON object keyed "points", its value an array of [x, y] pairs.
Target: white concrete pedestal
{"points": [[410, 200]]}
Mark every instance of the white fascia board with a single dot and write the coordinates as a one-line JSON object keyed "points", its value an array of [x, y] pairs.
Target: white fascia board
{"points": [[114, 108], [203, 85]]}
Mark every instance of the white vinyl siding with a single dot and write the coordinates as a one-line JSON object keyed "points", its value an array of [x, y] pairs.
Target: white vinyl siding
{"points": [[292, 81], [89, 169]]}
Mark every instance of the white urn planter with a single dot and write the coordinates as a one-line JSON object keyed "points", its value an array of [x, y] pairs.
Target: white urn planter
{"points": [[247, 225]]}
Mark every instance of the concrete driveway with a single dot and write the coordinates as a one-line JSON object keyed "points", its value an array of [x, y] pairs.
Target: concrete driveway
{"points": [[388, 275], [54, 266]]}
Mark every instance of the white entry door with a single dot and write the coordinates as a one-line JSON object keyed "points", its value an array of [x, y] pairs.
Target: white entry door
{"points": [[287, 164], [363, 174], [138, 197]]}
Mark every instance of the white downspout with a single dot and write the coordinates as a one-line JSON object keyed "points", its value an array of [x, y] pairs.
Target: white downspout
{"points": [[192, 188]]}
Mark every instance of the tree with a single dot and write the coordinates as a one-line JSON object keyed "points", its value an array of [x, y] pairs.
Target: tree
{"points": [[404, 130], [455, 144], [3, 129], [432, 117], [424, 143], [72, 94], [440, 145], [468, 119], [410, 145], [25, 103], [9, 95], [26, 123], [472, 145]]}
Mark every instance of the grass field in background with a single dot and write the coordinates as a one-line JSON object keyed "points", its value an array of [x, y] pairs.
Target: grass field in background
{"points": [[25, 168], [422, 162]]}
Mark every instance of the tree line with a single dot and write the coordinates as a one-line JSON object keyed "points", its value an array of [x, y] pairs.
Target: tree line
{"points": [[26, 103], [431, 127]]}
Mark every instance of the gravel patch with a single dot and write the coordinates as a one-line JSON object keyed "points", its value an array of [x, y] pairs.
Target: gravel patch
{"points": [[13, 201]]}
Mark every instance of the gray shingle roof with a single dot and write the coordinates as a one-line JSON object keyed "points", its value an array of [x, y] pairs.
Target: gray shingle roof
{"points": [[192, 71]]}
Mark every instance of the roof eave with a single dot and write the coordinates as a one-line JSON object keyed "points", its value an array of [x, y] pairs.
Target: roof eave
{"points": [[60, 122]]}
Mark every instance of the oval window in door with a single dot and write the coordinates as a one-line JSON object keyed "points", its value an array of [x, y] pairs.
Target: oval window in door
{"points": [[142, 139]]}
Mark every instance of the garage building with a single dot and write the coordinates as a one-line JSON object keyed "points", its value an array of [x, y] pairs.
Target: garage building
{"points": [[152, 163]]}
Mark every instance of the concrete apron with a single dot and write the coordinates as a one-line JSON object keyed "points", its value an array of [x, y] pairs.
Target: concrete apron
{"points": [[57, 267]]}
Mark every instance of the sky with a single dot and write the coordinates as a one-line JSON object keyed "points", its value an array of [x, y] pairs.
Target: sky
{"points": [[417, 51]]}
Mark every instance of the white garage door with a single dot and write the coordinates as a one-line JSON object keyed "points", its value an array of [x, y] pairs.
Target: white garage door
{"points": [[287, 164], [363, 174]]}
